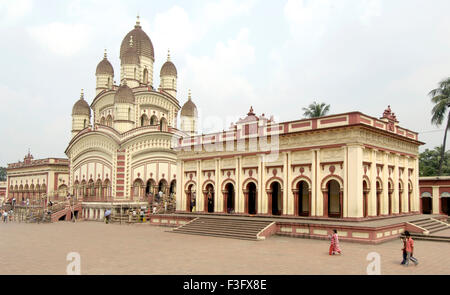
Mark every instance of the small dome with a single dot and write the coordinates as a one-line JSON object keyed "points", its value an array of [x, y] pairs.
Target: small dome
{"points": [[189, 109], [81, 107], [104, 68], [124, 95], [140, 41], [168, 68]]}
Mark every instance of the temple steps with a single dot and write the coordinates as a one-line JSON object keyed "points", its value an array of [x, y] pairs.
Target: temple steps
{"points": [[225, 228], [430, 225]]}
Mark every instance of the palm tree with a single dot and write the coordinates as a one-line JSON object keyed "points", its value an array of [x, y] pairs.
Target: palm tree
{"points": [[441, 99], [316, 110]]}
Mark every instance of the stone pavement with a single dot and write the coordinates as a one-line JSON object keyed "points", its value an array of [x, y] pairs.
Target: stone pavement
{"points": [[145, 249]]}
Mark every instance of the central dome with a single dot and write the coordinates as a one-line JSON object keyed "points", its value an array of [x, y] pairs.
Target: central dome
{"points": [[140, 41]]}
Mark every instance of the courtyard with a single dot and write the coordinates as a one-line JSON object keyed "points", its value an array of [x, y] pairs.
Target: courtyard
{"points": [[144, 249]]}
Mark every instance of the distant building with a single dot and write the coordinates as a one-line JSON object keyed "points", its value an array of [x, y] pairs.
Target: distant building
{"points": [[434, 194], [32, 179]]}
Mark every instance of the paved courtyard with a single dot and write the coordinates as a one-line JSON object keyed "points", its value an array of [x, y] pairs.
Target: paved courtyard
{"points": [[145, 249]]}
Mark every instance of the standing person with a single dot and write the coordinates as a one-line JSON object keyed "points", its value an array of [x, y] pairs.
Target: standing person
{"points": [[14, 201], [134, 214], [5, 216], [142, 215], [334, 247], [160, 195], [28, 202], [410, 249]]}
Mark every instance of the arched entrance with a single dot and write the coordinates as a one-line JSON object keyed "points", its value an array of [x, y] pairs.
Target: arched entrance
{"points": [[365, 201], [426, 203], [162, 187], [173, 187], [209, 198], [333, 200], [275, 195], [302, 199], [150, 189], [444, 203], [228, 198], [250, 195], [190, 198]]}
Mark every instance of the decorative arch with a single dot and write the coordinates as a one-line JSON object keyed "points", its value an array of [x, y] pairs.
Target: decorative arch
{"points": [[332, 177], [227, 181], [367, 180], [209, 181], [248, 180], [301, 178], [109, 120], [273, 179], [103, 121], [186, 186], [163, 124], [154, 120], [144, 120]]}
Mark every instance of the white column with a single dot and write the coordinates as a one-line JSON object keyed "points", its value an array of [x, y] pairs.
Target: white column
{"points": [[436, 200], [218, 202], [373, 185], [181, 195], [286, 185]]}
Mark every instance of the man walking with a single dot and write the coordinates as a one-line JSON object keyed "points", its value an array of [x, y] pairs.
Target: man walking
{"points": [[410, 249]]}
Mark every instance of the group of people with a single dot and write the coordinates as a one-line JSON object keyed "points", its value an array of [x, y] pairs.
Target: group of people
{"points": [[5, 214], [407, 250]]}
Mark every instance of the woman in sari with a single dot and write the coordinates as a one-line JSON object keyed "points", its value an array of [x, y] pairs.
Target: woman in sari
{"points": [[334, 247]]}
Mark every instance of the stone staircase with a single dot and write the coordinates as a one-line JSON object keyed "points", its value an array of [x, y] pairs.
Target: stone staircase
{"points": [[430, 225], [228, 228]]}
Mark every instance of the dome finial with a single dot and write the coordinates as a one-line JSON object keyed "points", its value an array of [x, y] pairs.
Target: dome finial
{"points": [[189, 94], [168, 54], [104, 54], [138, 22], [82, 94]]}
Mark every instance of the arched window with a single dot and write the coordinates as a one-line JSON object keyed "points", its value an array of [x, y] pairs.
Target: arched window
{"points": [[109, 121], [84, 123], [153, 120], [145, 75], [103, 121], [135, 73], [163, 124]]}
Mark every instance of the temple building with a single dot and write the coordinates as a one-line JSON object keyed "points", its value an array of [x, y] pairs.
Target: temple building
{"points": [[35, 179], [122, 142], [435, 195], [351, 166]]}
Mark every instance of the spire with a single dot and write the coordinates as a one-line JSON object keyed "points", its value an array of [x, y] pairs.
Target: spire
{"points": [[251, 111], [82, 94], [168, 54], [104, 54], [189, 94]]}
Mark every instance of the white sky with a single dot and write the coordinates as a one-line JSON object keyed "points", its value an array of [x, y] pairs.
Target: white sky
{"points": [[278, 56]]}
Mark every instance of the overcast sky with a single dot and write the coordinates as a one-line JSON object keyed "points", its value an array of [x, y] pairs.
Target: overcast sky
{"points": [[277, 56]]}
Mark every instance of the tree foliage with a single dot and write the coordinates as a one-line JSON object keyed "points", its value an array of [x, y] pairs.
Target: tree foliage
{"points": [[429, 162], [2, 174], [440, 97], [316, 110]]}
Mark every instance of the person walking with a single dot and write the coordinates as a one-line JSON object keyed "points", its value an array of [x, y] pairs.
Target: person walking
{"points": [[334, 246], [403, 239], [410, 249]]}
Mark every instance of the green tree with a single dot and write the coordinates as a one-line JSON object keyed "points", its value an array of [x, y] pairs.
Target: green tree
{"points": [[441, 99], [316, 110], [429, 162], [2, 174]]}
